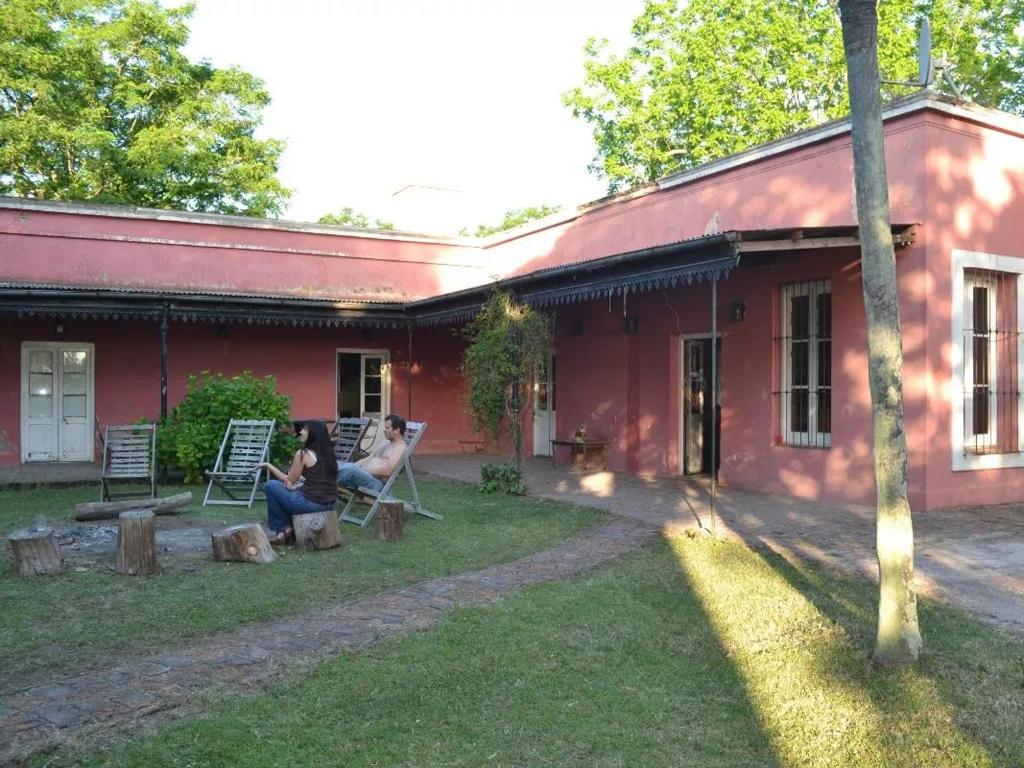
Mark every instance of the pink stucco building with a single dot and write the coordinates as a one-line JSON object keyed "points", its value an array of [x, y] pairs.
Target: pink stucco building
{"points": [[95, 301]]}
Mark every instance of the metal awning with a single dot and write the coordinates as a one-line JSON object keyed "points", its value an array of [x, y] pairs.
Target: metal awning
{"points": [[665, 266], [109, 303], [709, 258]]}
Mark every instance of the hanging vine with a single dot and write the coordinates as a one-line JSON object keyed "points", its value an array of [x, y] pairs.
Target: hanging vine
{"points": [[508, 343]]}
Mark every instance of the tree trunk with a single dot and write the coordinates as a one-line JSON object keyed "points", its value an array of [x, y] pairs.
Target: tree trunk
{"points": [[36, 552], [242, 543], [899, 637], [101, 510], [136, 543], [317, 530], [389, 520]]}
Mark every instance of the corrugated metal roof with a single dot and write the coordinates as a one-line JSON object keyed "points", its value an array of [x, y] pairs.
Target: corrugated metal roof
{"points": [[178, 291]]}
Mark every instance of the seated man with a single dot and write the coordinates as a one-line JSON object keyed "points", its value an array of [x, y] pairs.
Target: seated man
{"points": [[375, 469]]}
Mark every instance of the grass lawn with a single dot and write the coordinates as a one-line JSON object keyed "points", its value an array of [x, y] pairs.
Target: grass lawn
{"points": [[690, 652], [78, 619]]}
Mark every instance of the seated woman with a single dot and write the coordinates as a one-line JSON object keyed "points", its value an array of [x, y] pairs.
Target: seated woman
{"points": [[314, 463]]}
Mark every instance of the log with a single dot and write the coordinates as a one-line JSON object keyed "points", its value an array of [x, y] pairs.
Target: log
{"points": [[242, 544], [317, 530], [390, 515], [103, 510], [136, 542], [36, 552]]}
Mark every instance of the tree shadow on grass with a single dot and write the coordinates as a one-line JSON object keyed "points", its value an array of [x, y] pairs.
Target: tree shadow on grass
{"points": [[963, 704]]}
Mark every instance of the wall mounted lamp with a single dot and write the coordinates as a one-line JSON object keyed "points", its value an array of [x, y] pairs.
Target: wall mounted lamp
{"points": [[737, 311]]}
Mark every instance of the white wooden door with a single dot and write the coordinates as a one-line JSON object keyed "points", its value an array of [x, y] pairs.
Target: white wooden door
{"points": [[38, 404], [74, 430], [57, 402], [544, 409]]}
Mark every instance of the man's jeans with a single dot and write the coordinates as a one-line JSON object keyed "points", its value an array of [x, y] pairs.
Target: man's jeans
{"points": [[354, 477]]}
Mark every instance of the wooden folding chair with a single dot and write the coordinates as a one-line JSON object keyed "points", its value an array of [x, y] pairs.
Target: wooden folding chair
{"points": [[129, 453], [347, 436], [246, 443], [413, 432]]}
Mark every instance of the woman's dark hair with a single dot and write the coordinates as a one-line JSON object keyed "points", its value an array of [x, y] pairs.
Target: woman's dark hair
{"points": [[319, 442]]}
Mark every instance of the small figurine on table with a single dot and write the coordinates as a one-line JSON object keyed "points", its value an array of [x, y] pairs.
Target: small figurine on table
{"points": [[580, 435]]}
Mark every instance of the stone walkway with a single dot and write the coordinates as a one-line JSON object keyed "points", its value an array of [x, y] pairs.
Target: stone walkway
{"points": [[972, 557], [100, 706]]}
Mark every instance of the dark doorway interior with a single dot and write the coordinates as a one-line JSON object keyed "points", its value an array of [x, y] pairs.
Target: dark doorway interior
{"points": [[699, 417]]}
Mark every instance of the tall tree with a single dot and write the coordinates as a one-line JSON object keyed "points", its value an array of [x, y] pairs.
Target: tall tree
{"points": [[349, 217], [513, 218], [705, 78], [899, 637], [99, 102]]}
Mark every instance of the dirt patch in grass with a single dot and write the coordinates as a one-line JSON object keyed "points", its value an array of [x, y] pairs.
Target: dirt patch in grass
{"points": [[179, 544]]}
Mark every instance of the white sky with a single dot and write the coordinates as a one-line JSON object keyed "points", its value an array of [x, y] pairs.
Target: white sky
{"points": [[372, 96]]}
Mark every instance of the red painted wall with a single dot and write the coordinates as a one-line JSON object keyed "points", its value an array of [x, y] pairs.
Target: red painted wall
{"points": [[127, 370], [975, 197]]}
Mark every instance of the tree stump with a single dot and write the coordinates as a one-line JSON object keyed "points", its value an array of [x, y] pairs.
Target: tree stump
{"points": [[317, 530], [390, 515], [36, 552], [136, 542], [242, 544]]}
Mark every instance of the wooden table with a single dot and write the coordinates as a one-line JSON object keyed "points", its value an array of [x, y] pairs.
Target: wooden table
{"points": [[582, 452]]}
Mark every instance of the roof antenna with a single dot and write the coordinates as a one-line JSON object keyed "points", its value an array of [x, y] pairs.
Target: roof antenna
{"points": [[925, 67], [930, 70]]}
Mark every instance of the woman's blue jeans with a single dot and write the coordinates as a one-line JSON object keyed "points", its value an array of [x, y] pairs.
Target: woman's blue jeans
{"points": [[282, 504]]}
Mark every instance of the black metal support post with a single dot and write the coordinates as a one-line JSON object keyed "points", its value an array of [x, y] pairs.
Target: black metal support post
{"points": [[408, 415], [164, 318], [164, 315], [714, 397]]}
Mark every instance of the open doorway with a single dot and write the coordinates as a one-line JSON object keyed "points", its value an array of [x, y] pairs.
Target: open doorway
{"points": [[544, 408], [699, 414], [364, 385]]}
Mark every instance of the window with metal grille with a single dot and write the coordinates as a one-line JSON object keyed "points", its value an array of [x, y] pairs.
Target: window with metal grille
{"points": [[804, 398], [990, 344]]}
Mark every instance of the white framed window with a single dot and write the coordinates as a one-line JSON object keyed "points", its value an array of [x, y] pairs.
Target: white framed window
{"points": [[805, 367], [986, 407], [982, 408]]}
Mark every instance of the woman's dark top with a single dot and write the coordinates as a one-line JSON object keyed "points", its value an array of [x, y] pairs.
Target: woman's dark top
{"points": [[320, 483]]}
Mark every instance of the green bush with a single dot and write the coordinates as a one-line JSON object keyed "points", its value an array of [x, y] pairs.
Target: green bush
{"points": [[191, 436], [501, 478]]}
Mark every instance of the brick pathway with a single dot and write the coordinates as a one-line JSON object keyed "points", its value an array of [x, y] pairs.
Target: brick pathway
{"points": [[972, 556], [101, 705]]}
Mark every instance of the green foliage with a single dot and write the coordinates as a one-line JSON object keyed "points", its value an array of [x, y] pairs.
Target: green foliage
{"points": [[513, 218], [99, 102], [508, 343], [501, 478], [704, 79], [349, 217], [192, 434]]}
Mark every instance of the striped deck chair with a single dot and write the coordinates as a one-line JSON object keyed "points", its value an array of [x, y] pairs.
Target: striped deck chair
{"points": [[129, 454], [347, 435], [413, 432], [246, 443]]}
